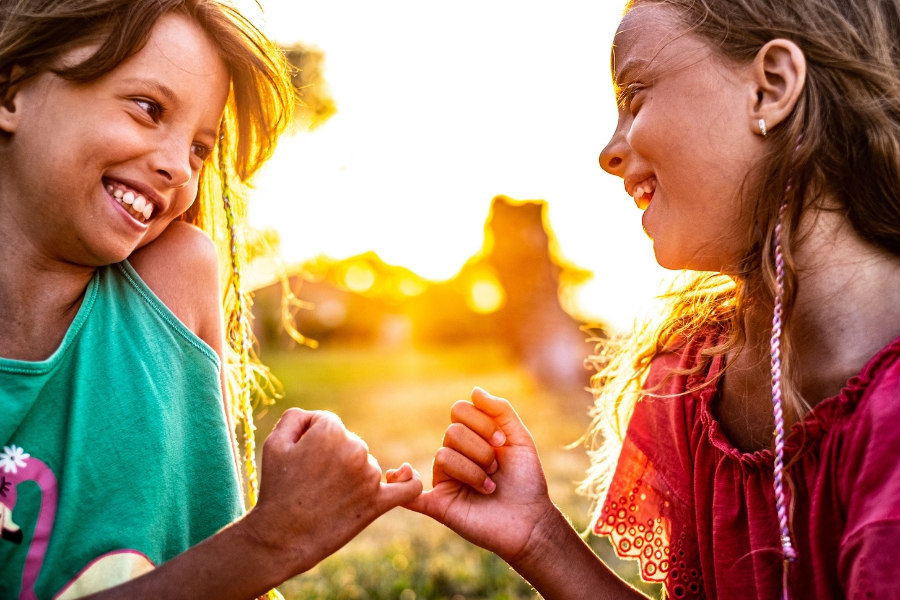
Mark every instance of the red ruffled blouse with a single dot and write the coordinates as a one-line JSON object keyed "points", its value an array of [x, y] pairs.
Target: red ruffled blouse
{"points": [[700, 515]]}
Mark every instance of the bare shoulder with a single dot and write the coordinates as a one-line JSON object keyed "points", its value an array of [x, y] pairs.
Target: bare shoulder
{"points": [[182, 269]]}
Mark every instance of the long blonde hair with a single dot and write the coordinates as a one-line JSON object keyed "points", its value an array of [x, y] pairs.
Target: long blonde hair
{"points": [[35, 33], [848, 117]]}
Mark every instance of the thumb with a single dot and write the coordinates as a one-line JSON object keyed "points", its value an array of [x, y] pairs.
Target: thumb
{"points": [[424, 504], [504, 415], [392, 495]]}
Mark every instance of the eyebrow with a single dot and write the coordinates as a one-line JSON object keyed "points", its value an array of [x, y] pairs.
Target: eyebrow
{"points": [[629, 66], [161, 88]]}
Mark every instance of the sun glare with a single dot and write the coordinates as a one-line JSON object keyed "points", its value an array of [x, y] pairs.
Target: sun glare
{"points": [[441, 107]]}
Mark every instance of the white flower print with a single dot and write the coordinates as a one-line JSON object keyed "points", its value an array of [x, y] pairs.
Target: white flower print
{"points": [[12, 458]]}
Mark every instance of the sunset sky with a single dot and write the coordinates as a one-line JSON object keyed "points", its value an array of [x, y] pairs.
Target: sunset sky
{"points": [[442, 106]]}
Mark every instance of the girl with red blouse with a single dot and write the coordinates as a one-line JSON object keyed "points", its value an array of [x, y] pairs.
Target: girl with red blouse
{"points": [[748, 441]]}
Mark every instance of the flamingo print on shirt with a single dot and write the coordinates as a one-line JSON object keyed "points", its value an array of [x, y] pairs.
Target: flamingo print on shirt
{"points": [[17, 466]]}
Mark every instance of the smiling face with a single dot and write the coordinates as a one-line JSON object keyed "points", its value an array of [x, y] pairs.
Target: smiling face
{"points": [[683, 144], [96, 170]]}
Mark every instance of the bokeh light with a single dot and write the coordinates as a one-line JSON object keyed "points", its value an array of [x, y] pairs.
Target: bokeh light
{"points": [[485, 295]]}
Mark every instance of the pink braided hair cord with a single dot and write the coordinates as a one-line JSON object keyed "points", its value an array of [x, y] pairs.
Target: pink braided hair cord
{"points": [[787, 547]]}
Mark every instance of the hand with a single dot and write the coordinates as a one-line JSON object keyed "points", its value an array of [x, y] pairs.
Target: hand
{"points": [[320, 487], [489, 485]]}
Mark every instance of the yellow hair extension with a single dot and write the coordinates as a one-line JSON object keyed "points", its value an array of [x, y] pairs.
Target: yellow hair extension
{"points": [[238, 335]]}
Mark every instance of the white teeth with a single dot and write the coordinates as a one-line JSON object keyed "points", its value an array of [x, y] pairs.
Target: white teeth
{"points": [[642, 191], [137, 205]]}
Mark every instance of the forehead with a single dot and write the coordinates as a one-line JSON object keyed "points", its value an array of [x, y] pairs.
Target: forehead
{"points": [[181, 62], [650, 35], [178, 46]]}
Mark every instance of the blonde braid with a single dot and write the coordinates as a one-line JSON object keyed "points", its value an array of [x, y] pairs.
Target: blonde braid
{"points": [[239, 335]]}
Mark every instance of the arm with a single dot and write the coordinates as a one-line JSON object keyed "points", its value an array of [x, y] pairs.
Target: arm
{"points": [[319, 487], [295, 524], [494, 494]]}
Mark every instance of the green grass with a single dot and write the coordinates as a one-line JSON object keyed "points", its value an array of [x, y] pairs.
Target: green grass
{"points": [[399, 402]]}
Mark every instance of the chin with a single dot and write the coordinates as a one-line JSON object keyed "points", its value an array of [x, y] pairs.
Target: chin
{"points": [[668, 260], [680, 261], [101, 255]]}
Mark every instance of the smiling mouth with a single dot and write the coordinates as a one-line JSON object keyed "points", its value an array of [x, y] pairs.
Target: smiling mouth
{"points": [[134, 203], [643, 193]]}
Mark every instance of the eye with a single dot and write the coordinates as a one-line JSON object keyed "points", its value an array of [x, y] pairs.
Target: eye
{"points": [[201, 151], [153, 109], [625, 95]]}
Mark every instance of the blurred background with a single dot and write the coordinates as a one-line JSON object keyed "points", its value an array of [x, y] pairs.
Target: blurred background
{"points": [[436, 220]]}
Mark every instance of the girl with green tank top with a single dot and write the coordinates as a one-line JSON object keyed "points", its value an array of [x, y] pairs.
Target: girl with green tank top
{"points": [[98, 448], [119, 120]]}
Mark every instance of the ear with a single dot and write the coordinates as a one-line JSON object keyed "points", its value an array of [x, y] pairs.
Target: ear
{"points": [[779, 75], [9, 113]]}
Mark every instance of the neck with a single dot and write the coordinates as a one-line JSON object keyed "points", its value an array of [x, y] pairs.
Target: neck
{"points": [[39, 294], [847, 308]]}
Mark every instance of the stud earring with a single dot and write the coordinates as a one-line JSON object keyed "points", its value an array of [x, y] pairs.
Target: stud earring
{"points": [[762, 127]]}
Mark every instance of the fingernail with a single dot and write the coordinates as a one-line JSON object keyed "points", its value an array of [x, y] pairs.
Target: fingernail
{"points": [[498, 439], [493, 468], [489, 485]]}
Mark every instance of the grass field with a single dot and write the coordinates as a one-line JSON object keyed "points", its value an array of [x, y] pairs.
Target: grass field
{"points": [[399, 402]]}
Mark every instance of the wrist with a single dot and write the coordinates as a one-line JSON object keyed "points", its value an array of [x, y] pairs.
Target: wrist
{"points": [[560, 564], [279, 552], [545, 540]]}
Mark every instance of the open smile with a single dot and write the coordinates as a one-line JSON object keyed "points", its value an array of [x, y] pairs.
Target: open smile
{"points": [[134, 202], [643, 192]]}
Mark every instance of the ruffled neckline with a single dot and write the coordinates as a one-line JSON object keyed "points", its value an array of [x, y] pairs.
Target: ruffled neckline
{"points": [[804, 434]]}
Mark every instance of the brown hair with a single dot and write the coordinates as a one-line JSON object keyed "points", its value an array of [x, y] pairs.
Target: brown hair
{"points": [[34, 34], [849, 118]]}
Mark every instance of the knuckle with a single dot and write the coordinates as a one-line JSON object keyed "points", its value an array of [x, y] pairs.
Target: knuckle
{"points": [[459, 408], [331, 423], [444, 455], [359, 453], [329, 417], [455, 433]]}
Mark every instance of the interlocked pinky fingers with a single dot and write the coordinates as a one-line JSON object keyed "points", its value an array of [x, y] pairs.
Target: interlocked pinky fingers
{"points": [[450, 464]]}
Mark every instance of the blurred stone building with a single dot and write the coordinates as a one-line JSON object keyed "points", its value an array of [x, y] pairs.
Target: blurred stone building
{"points": [[507, 294]]}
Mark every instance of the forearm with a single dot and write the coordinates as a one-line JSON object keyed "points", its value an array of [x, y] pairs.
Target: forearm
{"points": [[560, 565], [234, 564]]}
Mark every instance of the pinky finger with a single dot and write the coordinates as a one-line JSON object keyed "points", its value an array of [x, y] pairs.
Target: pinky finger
{"points": [[450, 464], [403, 473]]}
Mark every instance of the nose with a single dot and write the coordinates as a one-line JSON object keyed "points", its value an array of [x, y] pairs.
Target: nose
{"points": [[612, 158], [172, 161]]}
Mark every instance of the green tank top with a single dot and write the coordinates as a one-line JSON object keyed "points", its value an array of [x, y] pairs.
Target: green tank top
{"points": [[114, 452]]}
